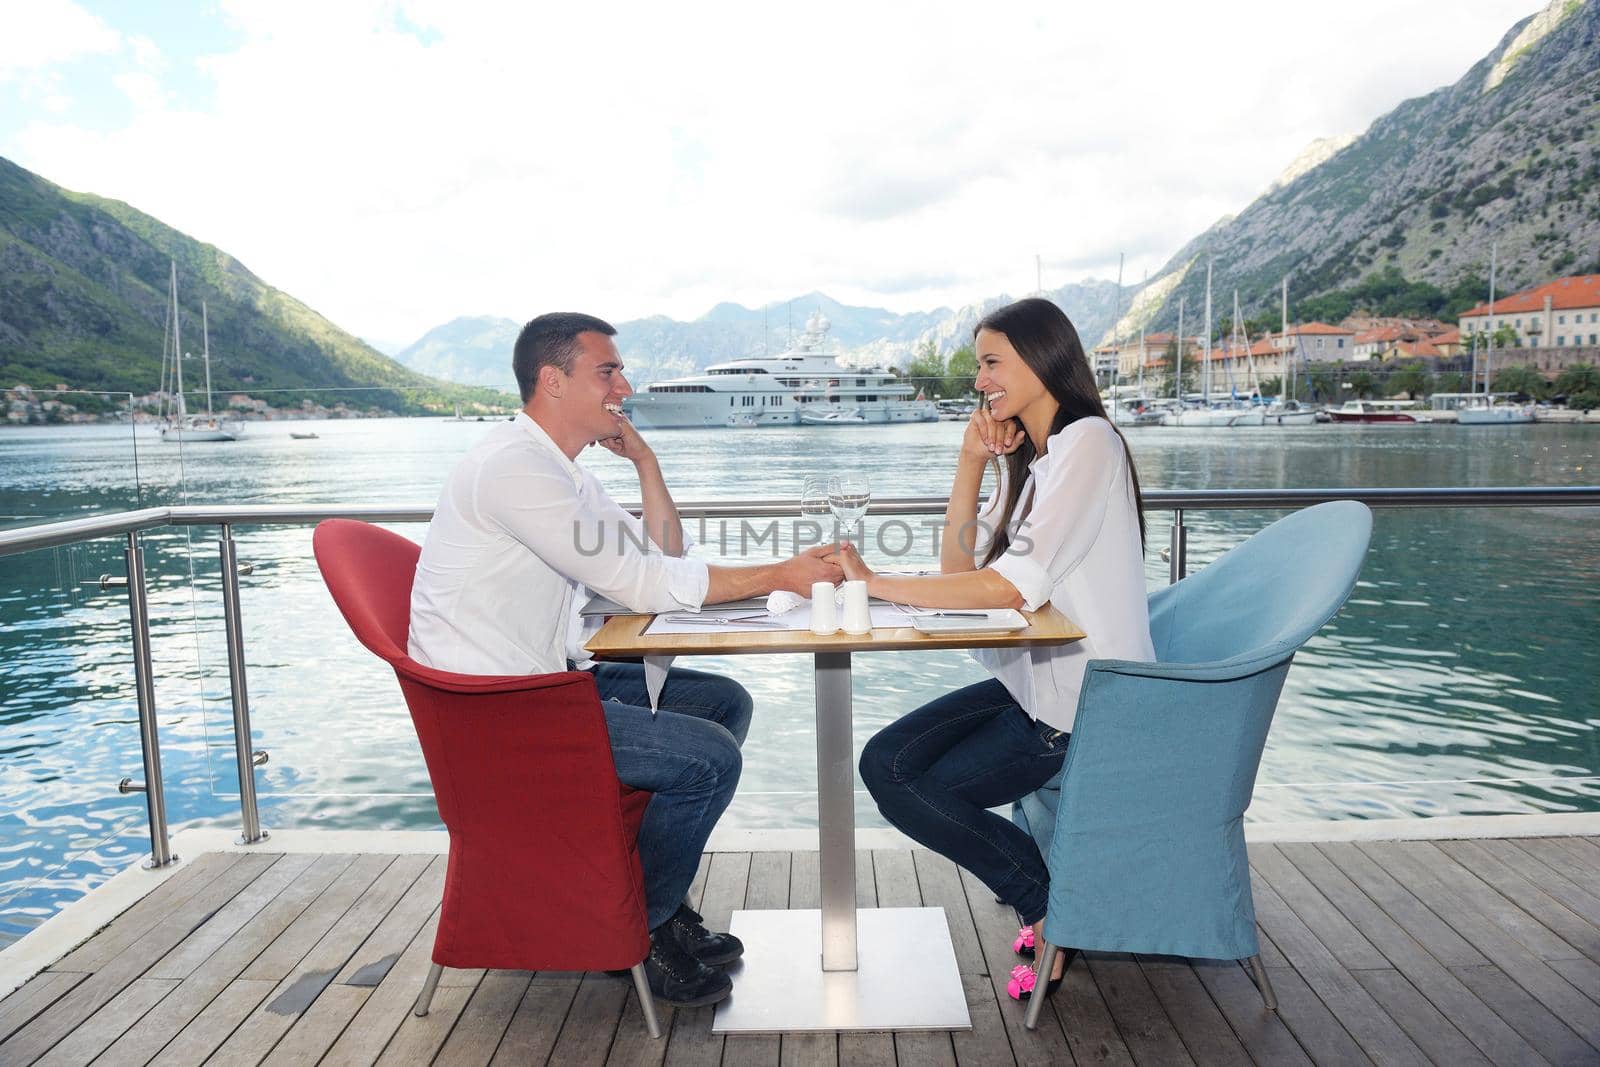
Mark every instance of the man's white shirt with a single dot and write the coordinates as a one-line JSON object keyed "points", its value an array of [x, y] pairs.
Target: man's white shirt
{"points": [[519, 533]]}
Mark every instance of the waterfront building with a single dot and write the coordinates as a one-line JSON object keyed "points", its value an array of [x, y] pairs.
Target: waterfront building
{"points": [[1564, 313]]}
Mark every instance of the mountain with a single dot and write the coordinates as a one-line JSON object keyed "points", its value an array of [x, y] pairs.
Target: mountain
{"points": [[84, 284], [1510, 153], [477, 350]]}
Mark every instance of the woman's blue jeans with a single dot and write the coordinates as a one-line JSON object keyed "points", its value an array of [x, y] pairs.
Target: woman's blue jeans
{"points": [[936, 772], [687, 755]]}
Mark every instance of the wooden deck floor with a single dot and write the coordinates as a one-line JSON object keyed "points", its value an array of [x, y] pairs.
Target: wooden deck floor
{"points": [[1452, 952]]}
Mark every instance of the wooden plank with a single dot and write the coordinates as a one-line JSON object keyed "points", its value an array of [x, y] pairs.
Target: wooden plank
{"points": [[1475, 892], [1322, 918], [633, 1046], [1553, 1038], [1498, 1041], [97, 1033], [164, 1022], [1378, 1035], [538, 1019], [691, 1040], [697, 887], [996, 926], [221, 927], [871, 1049], [940, 882], [318, 1027], [297, 990], [894, 875], [93, 993], [985, 1044], [1500, 947], [484, 1021], [1321, 1034], [1432, 1032], [1262, 1033], [151, 910], [799, 1050], [399, 928], [866, 880], [41, 991], [805, 885], [1575, 894], [1140, 1018], [1585, 974], [1556, 855], [766, 888], [1570, 927], [1080, 1007], [419, 1040], [309, 927], [1399, 903], [1200, 1024], [197, 1041]]}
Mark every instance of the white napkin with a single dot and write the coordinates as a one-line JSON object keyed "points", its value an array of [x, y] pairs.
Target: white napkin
{"points": [[781, 602], [655, 676]]}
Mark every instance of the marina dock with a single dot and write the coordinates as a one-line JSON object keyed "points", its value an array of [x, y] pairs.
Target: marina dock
{"points": [[311, 947]]}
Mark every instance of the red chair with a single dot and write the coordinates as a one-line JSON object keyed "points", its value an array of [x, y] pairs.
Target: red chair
{"points": [[544, 861]]}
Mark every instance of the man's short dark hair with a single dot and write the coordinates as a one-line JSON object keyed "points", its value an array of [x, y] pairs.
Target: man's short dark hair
{"points": [[551, 341]]}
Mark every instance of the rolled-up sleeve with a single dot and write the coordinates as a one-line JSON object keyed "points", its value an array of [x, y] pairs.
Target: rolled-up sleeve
{"points": [[1070, 492], [588, 538]]}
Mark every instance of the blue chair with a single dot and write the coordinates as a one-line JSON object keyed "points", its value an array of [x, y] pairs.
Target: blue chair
{"points": [[1143, 829]]}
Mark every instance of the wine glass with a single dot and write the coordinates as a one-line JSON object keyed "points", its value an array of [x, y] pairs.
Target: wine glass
{"points": [[814, 497], [848, 497]]}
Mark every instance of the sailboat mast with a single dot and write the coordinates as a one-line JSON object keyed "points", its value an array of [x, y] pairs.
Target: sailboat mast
{"points": [[1177, 370], [177, 343], [1116, 334], [205, 332], [1283, 339], [1205, 370], [1144, 285], [1488, 358]]}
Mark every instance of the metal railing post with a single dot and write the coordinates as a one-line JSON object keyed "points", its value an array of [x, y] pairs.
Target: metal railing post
{"points": [[1178, 551], [238, 687], [144, 687]]}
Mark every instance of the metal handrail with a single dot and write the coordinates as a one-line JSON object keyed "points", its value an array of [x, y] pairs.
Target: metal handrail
{"points": [[72, 531], [225, 516]]}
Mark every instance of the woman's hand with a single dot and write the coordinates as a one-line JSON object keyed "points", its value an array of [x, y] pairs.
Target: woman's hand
{"points": [[988, 437], [850, 562]]}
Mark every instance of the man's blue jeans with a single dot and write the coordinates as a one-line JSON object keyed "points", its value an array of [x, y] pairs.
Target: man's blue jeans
{"points": [[687, 755], [936, 772]]}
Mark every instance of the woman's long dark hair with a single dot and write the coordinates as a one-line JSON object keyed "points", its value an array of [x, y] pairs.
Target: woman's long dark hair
{"points": [[1048, 343]]}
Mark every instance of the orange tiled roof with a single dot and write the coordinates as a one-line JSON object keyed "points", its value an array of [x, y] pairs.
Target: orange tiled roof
{"points": [[1578, 291], [1452, 336], [1382, 333], [1318, 327]]}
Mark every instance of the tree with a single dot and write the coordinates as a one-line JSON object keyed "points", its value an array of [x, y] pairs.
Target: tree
{"points": [[1410, 379], [1324, 386], [926, 370], [1361, 383], [961, 371], [1450, 382], [1579, 378], [1522, 379], [1271, 386], [1505, 336]]}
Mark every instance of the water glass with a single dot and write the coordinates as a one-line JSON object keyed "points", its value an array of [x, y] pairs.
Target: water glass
{"points": [[848, 497]]}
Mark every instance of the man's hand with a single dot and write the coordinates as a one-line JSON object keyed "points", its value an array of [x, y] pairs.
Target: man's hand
{"points": [[798, 574], [850, 562], [627, 443]]}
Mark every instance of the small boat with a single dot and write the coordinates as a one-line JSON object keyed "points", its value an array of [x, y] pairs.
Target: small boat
{"points": [[302, 436], [1392, 412], [1290, 413], [1483, 409], [832, 417]]}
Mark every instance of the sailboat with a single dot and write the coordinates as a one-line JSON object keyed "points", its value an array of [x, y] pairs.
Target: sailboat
{"points": [[176, 422], [1289, 412], [1211, 414], [1481, 408]]}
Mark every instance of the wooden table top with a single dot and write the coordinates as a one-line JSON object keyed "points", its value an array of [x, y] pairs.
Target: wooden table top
{"points": [[623, 635]]}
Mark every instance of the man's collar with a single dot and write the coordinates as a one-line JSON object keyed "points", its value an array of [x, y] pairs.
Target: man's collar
{"points": [[531, 427]]}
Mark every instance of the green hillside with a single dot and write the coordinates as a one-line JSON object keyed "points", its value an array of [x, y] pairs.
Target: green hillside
{"points": [[83, 302]]}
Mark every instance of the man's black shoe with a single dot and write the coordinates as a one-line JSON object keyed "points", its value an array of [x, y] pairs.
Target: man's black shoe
{"points": [[712, 949], [677, 978]]}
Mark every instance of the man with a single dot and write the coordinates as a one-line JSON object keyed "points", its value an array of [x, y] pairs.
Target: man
{"points": [[520, 531]]}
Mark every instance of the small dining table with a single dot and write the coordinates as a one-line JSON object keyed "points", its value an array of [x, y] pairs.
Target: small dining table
{"points": [[837, 969]]}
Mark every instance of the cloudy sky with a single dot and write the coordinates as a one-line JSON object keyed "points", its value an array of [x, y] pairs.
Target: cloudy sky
{"points": [[396, 163]]}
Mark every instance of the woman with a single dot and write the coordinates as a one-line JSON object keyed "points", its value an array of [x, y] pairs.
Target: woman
{"points": [[1065, 527]]}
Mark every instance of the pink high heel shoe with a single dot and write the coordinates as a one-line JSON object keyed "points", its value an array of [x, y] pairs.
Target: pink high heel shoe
{"points": [[1023, 945], [1024, 981]]}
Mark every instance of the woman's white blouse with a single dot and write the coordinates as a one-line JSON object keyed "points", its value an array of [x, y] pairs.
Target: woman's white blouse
{"points": [[1077, 548]]}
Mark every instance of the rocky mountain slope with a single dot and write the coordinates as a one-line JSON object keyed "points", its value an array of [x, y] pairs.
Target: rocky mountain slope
{"points": [[1510, 154], [83, 302]]}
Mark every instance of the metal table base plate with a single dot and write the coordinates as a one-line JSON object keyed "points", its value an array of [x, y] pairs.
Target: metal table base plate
{"points": [[906, 976]]}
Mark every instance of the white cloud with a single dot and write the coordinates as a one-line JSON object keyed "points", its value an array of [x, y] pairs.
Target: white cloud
{"points": [[396, 165], [40, 34]]}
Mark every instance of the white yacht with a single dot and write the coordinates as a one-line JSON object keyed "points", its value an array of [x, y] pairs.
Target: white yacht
{"points": [[775, 390]]}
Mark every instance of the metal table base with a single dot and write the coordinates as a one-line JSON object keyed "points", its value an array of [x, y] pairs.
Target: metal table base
{"points": [[905, 978]]}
